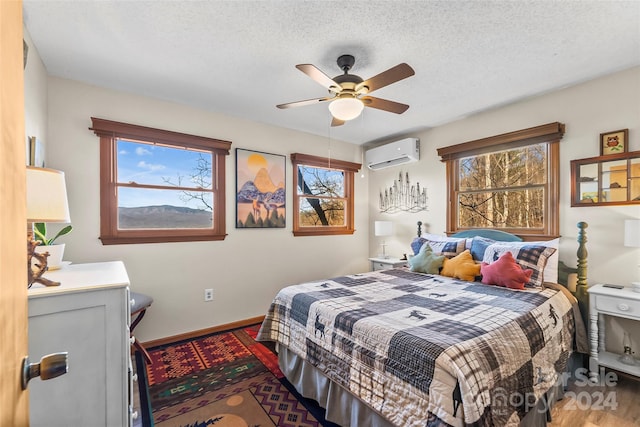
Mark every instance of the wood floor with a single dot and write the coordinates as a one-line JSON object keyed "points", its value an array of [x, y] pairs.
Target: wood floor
{"points": [[613, 405]]}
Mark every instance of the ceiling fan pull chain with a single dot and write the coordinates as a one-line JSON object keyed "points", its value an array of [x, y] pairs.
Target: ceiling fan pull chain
{"points": [[329, 153]]}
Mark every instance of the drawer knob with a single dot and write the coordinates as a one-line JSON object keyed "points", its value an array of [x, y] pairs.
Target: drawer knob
{"points": [[623, 307]]}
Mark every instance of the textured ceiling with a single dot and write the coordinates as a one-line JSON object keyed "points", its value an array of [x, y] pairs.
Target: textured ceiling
{"points": [[239, 57]]}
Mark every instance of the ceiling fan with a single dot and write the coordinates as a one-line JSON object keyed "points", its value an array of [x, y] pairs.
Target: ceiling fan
{"points": [[349, 93]]}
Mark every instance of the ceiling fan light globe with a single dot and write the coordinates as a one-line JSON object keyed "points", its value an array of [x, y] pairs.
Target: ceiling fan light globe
{"points": [[346, 108]]}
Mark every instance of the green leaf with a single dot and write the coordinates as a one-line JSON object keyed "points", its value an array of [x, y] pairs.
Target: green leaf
{"points": [[62, 232], [40, 232]]}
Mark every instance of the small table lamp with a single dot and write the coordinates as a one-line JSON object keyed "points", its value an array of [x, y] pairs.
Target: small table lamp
{"points": [[46, 202], [632, 239], [382, 229]]}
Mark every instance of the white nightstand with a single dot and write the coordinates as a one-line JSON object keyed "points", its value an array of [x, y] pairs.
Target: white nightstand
{"points": [[610, 302], [387, 263]]}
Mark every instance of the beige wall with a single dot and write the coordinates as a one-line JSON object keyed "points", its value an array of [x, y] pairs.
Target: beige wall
{"points": [[245, 270], [35, 95], [605, 104]]}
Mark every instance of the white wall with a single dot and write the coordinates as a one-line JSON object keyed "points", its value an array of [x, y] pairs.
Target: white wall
{"points": [[248, 267], [605, 104], [35, 95]]}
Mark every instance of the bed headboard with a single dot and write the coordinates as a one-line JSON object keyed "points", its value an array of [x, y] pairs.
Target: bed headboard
{"points": [[499, 235], [490, 233], [563, 270]]}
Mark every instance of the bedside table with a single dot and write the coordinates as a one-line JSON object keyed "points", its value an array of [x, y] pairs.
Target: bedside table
{"points": [[604, 301], [388, 263]]}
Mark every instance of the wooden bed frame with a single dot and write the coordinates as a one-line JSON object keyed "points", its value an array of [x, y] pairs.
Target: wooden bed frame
{"points": [[581, 293]]}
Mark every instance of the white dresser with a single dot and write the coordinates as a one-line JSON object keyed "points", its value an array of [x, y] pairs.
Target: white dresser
{"points": [[87, 316]]}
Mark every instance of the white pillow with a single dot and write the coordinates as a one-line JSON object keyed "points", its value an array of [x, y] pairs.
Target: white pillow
{"points": [[448, 248], [445, 238], [550, 272], [551, 269]]}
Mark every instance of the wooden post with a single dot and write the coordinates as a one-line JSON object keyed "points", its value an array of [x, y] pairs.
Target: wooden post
{"points": [[581, 286]]}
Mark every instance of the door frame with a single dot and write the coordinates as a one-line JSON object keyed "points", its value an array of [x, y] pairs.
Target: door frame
{"points": [[14, 402]]}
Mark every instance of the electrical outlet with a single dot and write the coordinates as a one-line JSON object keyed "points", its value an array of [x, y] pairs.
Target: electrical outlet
{"points": [[208, 294]]}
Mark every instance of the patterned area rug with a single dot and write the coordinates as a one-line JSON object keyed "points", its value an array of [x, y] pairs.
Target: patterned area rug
{"points": [[225, 379]]}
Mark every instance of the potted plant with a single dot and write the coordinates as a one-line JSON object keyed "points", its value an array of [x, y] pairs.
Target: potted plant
{"points": [[56, 250]]}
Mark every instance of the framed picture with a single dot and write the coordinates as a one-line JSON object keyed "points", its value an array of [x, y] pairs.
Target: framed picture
{"points": [[614, 142], [36, 152], [260, 189]]}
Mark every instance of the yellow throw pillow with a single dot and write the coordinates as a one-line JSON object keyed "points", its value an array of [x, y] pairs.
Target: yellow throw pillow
{"points": [[462, 267]]}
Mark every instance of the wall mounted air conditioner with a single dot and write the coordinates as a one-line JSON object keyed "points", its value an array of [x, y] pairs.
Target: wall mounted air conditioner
{"points": [[395, 153]]}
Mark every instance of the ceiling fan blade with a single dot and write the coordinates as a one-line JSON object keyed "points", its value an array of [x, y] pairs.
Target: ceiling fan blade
{"points": [[336, 122], [305, 102], [385, 78], [384, 104], [320, 77]]}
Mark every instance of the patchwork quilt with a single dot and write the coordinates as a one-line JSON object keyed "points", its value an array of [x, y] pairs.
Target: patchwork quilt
{"points": [[426, 349]]}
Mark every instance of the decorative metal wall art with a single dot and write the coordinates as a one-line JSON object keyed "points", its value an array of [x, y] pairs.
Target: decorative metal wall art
{"points": [[404, 197]]}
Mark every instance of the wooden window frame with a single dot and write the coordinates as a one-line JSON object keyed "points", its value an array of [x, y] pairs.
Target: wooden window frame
{"points": [[349, 169], [109, 132], [551, 134]]}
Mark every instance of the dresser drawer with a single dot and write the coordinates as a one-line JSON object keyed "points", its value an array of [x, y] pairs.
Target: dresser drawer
{"points": [[624, 307], [381, 266]]}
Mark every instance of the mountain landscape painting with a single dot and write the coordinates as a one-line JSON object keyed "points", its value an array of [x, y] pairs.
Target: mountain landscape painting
{"points": [[260, 190]]}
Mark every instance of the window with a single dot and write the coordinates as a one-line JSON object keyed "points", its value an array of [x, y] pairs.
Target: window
{"points": [[323, 202], [508, 182], [159, 186]]}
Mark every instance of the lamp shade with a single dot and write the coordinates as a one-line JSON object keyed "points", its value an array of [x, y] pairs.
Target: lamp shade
{"points": [[632, 232], [346, 108], [46, 196], [383, 228]]}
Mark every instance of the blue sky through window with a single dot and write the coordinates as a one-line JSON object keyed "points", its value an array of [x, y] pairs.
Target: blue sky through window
{"points": [[149, 164]]}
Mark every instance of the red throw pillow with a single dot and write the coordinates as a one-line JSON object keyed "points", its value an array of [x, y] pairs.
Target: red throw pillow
{"points": [[505, 272]]}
